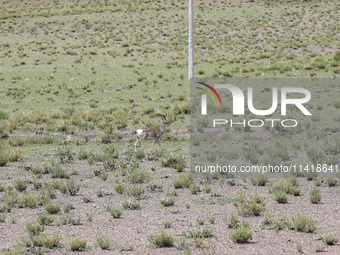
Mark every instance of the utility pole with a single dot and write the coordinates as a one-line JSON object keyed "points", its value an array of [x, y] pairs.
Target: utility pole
{"points": [[191, 39]]}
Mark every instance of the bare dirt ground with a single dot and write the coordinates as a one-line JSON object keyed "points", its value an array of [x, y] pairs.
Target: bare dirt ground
{"points": [[130, 233]]}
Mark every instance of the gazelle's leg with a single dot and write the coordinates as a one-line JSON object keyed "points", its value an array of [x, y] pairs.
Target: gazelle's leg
{"points": [[137, 142]]}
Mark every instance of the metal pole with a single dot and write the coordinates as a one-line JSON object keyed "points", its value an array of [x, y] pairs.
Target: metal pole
{"points": [[191, 39]]}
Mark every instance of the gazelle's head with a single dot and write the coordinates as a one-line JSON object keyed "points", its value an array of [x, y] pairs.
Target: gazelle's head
{"points": [[163, 119]]}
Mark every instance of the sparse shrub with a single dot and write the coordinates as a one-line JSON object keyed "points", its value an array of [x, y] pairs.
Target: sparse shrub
{"points": [[65, 154], [20, 185], [134, 190], [4, 158], [162, 239], [139, 176], [167, 224], [287, 185], [116, 213], [86, 199], [103, 175], [29, 201], [52, 208], [337, 104], [199, 232], [83, 154], [56, 171], [37, 184], [302, 223], [320, 247], [89, 216], [332, 182], [194, 188], [44, 219], [72, 187], [249, 205], [234, 221], [130, 202], [318, 182], [3, 217], [140, 154], [330, 240], [34, 229], [183, 180], [315, 196], [50, 241], [15, 155], [280, 196], [200, 221], [260, 180], [67, 207], [104, 243], [11, 197], [77, 244], [168, 201], [155, 185], [207, 188], [120, 189], [242, 234], [174, 160]]}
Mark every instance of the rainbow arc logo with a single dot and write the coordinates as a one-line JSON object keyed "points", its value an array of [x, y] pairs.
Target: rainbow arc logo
{"points": [[208, 92]]}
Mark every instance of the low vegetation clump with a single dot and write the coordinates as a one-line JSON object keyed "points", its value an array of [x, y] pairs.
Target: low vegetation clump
{"points": [[184, 180], [104, 243], [3, 217], [44, 219], [330, 240], [280, 196], [332, 182], [65, 154], [289, 186], [194, 188], [199, 232], [77, 244], [116, 213], [167, 224], [242, 234], [302, 223], [52, 208], [29, 201], [234, 221], [274, 221], [162, 239], [34, 229], [72, 187], [320, 247], [4, 158], [168, 201], [20, 185], [315, 196], [174, 160], [43, 240], [260, 180], [130, 202], [249, 205], [139, 176], [57, 171]]}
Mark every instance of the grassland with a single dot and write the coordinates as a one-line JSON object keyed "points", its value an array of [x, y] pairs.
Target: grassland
{"points": [[76, 80]]}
